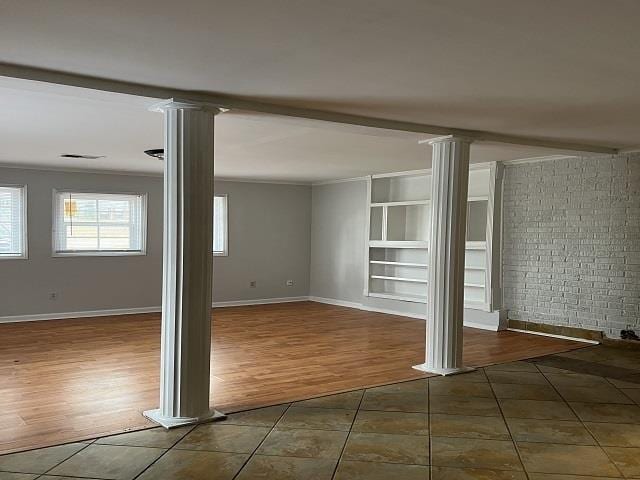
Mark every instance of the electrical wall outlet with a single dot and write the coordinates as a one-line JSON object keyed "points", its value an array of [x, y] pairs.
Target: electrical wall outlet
{"points": [[289, 283], [252, 284], [53, 296]]}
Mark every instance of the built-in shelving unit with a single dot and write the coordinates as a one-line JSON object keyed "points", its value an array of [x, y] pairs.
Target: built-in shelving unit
{"points": [[397, 245]]}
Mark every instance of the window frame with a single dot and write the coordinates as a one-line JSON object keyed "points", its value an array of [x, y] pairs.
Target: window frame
{"points": [[225, 252], [24, 255], [99, 253]]}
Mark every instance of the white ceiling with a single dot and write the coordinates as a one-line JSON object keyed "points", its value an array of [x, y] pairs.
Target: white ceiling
{"points": [[560, 69], [41, 121]]}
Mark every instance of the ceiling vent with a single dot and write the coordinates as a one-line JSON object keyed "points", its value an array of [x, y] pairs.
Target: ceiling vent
{"points": [[77, 155]]}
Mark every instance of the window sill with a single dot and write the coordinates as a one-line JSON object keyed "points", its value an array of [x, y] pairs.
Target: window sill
{"points": [[97, 254], [14, 257]]}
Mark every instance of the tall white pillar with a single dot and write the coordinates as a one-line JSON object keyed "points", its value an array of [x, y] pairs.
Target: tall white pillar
{"points": [[445, 302], [187, 265]]}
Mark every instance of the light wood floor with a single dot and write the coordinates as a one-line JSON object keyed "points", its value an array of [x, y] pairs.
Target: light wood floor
{"points": [[67, 380]]}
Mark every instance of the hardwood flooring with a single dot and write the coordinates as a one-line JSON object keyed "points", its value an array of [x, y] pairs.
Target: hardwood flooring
{"points": [[67, 380]]}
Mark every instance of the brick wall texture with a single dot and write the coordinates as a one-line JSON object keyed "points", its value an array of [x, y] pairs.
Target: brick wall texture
{"points": [[571, 242]]}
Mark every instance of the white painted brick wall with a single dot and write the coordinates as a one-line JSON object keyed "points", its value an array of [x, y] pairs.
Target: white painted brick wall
{"points": [[571, 245]]}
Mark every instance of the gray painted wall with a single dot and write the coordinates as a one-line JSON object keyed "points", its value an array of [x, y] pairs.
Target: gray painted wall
{"points": [[269, 242], [269, 237], [338, 223], [571, 242], [337, 240]]}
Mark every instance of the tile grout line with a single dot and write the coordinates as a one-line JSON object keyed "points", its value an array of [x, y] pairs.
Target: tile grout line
{"points": [[42, 448], [61, 462], [66, 476], [253, 453], [621, 390], [583, 424], [335, 469], [193, 427], [504, 419]]}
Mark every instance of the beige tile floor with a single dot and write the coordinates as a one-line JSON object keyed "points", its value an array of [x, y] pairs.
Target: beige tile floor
{"points": [[571, 416]]}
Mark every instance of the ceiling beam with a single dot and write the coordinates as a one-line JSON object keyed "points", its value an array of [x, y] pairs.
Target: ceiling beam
{"points": [[230, 102]]}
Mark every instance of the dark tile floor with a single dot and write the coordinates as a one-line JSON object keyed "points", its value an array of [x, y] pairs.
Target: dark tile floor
{"points": [[571, 416]]}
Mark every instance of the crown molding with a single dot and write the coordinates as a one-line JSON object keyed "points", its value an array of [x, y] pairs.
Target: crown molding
{"points": [[549, 158], [140, 174], [251, 180], [635, 149], [340, 180], [46, 168]]}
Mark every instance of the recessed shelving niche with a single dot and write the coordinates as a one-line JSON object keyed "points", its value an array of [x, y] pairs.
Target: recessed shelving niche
{"points": [[397, 250]]}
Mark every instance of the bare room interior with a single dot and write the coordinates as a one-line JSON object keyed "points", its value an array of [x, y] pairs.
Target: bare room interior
{"points": [[318, 241]]}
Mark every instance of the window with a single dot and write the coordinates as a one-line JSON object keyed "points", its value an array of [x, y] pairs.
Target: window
{"points": [[220, 225], [99, 224], [13, 225]]}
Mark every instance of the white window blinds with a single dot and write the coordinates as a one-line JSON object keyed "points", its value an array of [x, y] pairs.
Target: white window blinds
{"points": [[12, 222], [99, 223], [220, 225]]}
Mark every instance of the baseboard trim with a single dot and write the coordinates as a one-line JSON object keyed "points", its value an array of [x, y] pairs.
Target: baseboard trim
{"points": [[333, 301], [234, 303], [82, 314], [360, 306], [132, 311], [553, 335], [479, 319], [562, 330], [388, 311], [258, 301]]}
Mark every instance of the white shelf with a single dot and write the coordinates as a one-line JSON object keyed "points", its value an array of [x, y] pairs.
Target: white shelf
{"points": [[417, 265], [408, 173], [420, 244], [476, 305], [400, 204], [398, 244], [405, 297], [399, 279], [398, 264], [418, 280], [423, 299]]}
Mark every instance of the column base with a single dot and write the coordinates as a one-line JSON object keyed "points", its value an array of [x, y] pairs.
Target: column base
{"points": [[443, 371], [173, 422]]}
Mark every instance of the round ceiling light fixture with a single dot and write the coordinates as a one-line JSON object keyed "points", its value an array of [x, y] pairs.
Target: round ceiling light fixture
{"points": [[156, 153]]}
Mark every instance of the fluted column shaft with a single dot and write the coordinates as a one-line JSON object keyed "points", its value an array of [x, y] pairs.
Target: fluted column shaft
{"points": [[187, 265], [445, 301]]}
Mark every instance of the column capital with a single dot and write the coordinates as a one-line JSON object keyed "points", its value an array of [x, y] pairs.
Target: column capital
{"points": [[447, 138], [180, 104]]}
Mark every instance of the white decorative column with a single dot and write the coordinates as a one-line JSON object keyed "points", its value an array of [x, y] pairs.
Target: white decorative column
{"points": [[445, 301], [187, 265]]}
